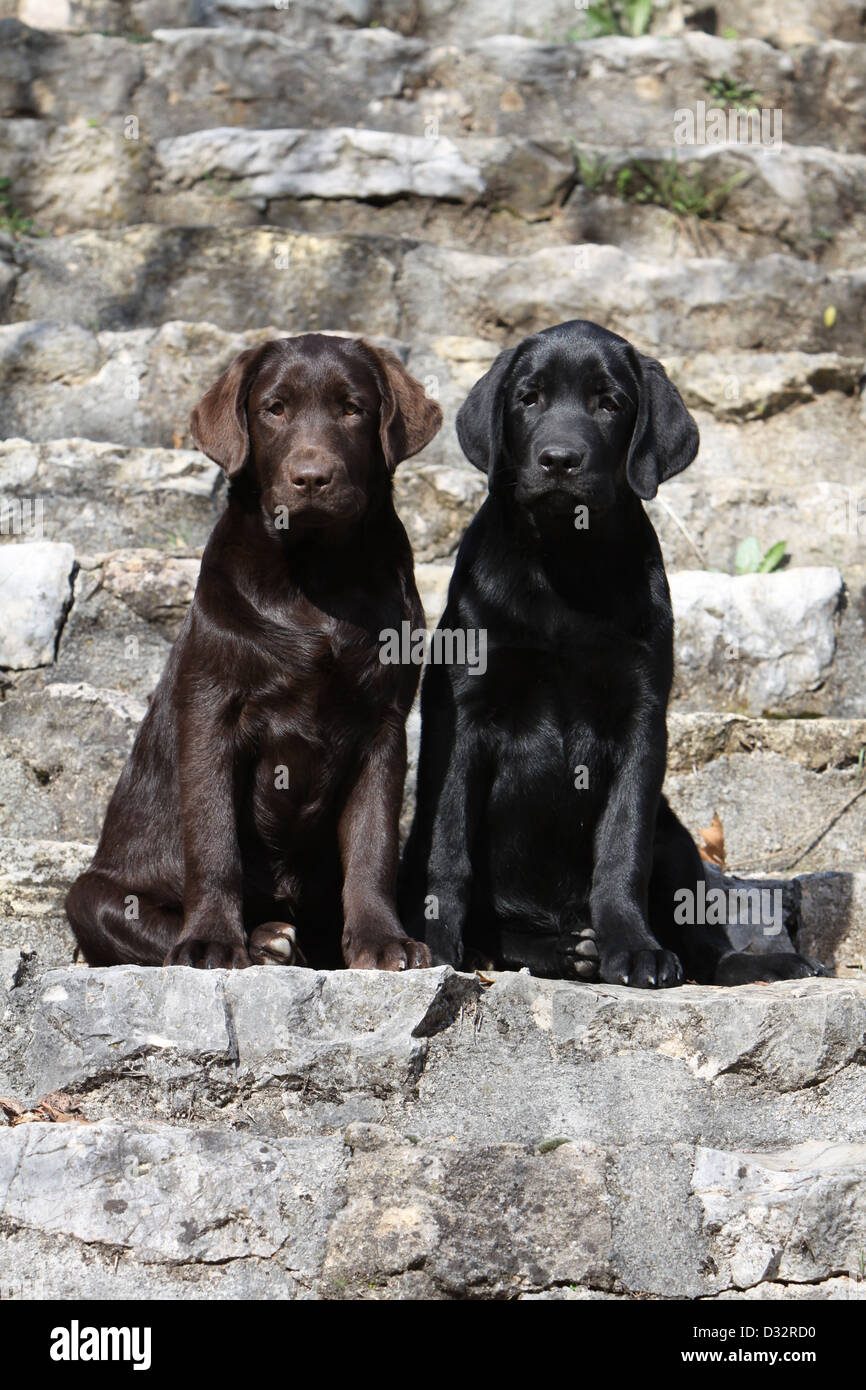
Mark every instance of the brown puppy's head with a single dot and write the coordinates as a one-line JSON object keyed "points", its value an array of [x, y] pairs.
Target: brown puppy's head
{"points": [[316, 423]]}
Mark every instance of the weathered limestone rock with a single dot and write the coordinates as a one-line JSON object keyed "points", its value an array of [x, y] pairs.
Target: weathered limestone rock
{"points": [[35, 581], [318, 1124], [758, 643]]}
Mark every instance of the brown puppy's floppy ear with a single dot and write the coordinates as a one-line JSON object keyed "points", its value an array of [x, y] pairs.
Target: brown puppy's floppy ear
{"points": [[479, 419], [408, 418], [218, 424], [665, 438]]}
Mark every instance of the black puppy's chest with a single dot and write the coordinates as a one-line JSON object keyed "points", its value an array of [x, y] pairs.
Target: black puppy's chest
{"points": [[586, 682]]}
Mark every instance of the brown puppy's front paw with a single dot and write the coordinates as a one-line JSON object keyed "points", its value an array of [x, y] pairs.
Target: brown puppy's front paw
{"points": [[642, 969], [364, 952], [204, 953], [275, 943]]}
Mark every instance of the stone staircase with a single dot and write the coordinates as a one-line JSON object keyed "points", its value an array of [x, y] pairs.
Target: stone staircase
{"points": [[185, 180]]}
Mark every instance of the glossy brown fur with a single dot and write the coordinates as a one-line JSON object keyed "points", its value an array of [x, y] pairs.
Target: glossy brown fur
{"points": [[264, 787]]}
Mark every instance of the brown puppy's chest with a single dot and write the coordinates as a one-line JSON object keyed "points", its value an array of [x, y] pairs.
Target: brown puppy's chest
{"points": [[310, 728]]}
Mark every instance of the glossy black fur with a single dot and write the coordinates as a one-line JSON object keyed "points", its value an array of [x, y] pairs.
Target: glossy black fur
{"points": [[540, 813]]}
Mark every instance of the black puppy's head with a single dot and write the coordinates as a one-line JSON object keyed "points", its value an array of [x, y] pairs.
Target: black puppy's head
{"points": [[315, 423], [573, 415]]}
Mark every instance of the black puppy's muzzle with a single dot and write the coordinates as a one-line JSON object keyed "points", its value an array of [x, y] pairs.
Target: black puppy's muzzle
{"points": [[558, 462]]}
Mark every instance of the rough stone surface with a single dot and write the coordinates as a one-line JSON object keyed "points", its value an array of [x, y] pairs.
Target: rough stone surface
{"points": [[316, 1126], [125, 279], [759, 643], [35, 585]]}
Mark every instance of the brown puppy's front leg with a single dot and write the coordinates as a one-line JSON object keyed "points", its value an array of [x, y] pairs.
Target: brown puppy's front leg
{"points": [[212, 936], [373, 938]]}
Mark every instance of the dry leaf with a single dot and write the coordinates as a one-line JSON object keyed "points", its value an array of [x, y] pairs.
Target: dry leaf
{"points": [[712, 851], [177, 439], [54, 1109]]}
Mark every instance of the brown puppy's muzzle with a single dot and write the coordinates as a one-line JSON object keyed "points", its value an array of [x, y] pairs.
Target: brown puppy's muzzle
{"points": [[313, 485], [310, 475]]}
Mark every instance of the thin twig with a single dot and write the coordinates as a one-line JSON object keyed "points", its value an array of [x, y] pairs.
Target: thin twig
{"points": [[691, 540], [784, 868]]}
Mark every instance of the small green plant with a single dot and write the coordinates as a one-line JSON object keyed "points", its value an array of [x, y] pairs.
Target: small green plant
{"points": [[629, 17], [12, 220], [670, 185], [729, 92], [749, 560], [592, 170]]}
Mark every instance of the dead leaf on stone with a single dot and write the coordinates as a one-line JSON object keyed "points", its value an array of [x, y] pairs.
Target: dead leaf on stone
{"points": [[54, 1109], [177, 439], [712, 851]]}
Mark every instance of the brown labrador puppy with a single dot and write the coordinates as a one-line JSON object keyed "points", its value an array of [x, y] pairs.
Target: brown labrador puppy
{"points": [[266, 779]]}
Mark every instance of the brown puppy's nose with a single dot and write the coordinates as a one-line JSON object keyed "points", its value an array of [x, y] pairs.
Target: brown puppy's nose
{"points": [[310, 476], [561, 460]]}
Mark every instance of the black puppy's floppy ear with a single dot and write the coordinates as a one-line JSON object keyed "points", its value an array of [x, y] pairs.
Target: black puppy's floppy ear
{"points": [[479, 419], [218, 424], [408, 417], [665, 438]]}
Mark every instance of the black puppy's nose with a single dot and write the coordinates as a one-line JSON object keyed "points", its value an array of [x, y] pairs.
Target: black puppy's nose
{"points": [[310, 477], [561, 460]]}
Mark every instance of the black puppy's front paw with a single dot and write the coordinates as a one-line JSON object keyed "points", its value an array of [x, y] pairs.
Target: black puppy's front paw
{"points": [[642, 969], [738, 968]]}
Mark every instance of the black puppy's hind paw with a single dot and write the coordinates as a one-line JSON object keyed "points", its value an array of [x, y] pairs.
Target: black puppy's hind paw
{"points": [[579, 954], [739, 968]]}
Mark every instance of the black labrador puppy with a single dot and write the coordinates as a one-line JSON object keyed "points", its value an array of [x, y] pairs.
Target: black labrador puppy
{"points": [[541, 836], [266, 780]]}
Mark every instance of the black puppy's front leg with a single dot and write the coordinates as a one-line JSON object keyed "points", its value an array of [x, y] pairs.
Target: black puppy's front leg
{"points": [[212, 935], [623, 858]]}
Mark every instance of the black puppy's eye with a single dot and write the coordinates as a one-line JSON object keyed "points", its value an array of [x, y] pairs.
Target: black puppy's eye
{"points": [[609, 404], [351, 408], [276, 408], [531, 398]]}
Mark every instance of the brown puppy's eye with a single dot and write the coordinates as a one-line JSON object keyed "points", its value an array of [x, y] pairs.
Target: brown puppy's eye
{"points": [[350, 408], [277, 408]]}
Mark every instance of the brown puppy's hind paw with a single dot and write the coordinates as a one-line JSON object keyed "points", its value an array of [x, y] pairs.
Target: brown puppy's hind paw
{"points": [[275, 943]]}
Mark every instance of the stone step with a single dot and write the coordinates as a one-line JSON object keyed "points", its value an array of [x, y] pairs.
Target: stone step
{"points": [[759, 478], [614, 90], [247, 278], [137, 387], [784, 23], [509, 194], [348, 1093]]}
